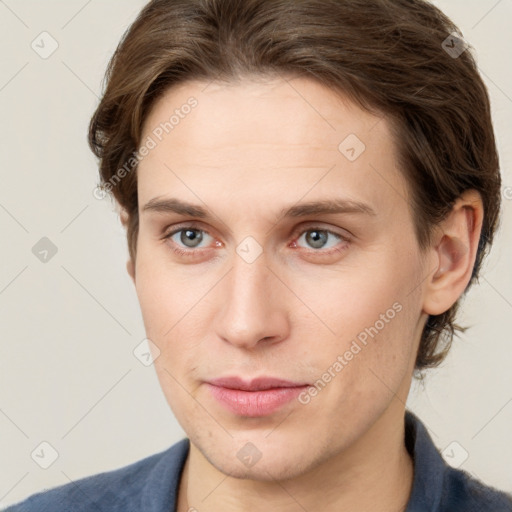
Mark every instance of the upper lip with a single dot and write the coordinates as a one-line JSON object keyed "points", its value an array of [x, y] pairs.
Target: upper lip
{"points": [[257, 384]]}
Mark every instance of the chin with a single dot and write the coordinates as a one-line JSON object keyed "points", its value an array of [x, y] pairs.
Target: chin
{"points": [[263, 471], [258, 460]]}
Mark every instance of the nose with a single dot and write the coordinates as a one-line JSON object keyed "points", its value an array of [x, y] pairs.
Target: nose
{"points": [[254, 310]]}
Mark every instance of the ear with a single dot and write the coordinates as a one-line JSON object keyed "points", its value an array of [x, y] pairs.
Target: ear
{"points": [[130, 267], [453, 253]]}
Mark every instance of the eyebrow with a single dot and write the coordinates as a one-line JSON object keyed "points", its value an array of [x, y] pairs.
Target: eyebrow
{"points": [[326, 206]]}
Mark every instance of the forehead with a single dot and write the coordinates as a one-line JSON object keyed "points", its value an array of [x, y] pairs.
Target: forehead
{"points": [[283, 138]]}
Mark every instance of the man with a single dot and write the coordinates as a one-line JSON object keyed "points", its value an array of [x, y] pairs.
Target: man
{"points": [[308, 189]]}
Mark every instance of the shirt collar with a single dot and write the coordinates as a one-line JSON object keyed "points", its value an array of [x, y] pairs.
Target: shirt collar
{"points": [[161, 489], [429, 467]]}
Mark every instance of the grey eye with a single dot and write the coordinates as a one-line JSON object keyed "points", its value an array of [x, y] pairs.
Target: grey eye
{"points": [[191, 237], [317, 238]]}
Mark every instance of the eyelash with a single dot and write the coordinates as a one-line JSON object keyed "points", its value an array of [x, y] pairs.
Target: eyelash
{"points": [[193, 252]]}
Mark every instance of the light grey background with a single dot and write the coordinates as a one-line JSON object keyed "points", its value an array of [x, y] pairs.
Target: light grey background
{"points": [[68, 327]]}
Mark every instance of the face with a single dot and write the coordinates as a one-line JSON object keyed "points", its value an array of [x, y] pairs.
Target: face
{"points": [[254, 280]]}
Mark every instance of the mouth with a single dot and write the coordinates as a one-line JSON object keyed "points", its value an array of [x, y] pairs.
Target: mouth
{"points": [[259, 397], [258, 384]]}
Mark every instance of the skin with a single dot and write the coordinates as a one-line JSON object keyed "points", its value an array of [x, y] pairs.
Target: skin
{"points": [[248, 150]]}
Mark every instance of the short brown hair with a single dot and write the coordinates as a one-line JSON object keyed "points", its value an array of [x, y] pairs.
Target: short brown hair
{"points": [[389, 56]]}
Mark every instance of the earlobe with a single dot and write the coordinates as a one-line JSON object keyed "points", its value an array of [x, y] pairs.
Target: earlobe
{"points": [[123, 215], [454, 253], [130, 267]]}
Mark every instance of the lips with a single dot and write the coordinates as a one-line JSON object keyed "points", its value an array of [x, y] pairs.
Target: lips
{"points": [[258, 384], [259, 397]]}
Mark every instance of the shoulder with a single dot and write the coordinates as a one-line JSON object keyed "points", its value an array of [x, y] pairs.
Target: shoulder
{"points": [[464, 493], [126, 489], [439, 487]]}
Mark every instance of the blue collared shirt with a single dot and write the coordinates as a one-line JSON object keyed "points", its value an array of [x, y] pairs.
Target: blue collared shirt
{"points": [[151, 484]]}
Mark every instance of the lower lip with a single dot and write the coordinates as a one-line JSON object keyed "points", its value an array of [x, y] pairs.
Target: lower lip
{"points": [[254, 403]]}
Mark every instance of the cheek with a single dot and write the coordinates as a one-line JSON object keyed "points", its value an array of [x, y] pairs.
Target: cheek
{"points": [[167, 307], [372, 315], [350, 300], [362, 369], [165, 292], [172, 304]]}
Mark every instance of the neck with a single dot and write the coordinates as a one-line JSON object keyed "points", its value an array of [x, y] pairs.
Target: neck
{"points": [[377, 469]]}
